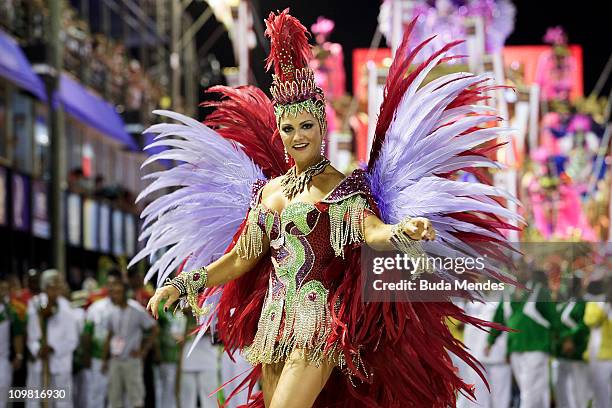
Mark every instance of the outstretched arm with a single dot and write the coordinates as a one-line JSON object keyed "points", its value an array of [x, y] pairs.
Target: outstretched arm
{"points": [[227, 268], [379, 236]]}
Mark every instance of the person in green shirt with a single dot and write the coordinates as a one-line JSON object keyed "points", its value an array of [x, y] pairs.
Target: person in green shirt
{"points": [[533, 318], [569, 345]]}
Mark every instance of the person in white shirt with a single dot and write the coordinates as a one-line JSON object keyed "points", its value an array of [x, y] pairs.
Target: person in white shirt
{"points": [[97, 328], [131, 333], [51, 350], [80, 375], [497, 370], [200, 369]]}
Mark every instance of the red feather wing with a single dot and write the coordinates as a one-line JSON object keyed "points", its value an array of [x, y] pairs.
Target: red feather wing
{"points": [[245, 115]]}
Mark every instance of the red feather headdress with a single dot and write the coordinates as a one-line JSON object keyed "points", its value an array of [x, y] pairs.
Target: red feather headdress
{"points": [[293, 83]]}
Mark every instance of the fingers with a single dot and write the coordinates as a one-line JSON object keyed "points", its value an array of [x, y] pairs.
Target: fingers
{"points": [[414, 229], [173, 297], [428, 231], [420, 229], [425, 231], [152, 306], [149, 304], [421, 224], [431, 232], [410, 228], [431, 235], [167, 292], [154, 303]]}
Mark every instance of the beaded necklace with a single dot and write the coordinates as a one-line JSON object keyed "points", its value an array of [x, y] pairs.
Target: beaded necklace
{"points": [[293, 184]]}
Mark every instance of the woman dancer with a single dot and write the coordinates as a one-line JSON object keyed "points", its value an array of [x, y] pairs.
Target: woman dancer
{"points": [[286, 278]]}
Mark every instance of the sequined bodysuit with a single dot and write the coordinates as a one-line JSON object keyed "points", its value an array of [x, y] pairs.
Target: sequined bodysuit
{"points": [[306, 246]]}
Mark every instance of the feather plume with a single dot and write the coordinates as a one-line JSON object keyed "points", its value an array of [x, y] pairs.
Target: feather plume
{"points": [[246, 116], [289, 48], [194, 224]]}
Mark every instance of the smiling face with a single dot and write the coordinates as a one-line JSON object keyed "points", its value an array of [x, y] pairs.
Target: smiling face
{"points": [[301, 136]]}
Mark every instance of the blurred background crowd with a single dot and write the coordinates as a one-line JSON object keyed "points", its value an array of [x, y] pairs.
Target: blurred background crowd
{"points": [[100, 343], [102, 346], [559, 351]]}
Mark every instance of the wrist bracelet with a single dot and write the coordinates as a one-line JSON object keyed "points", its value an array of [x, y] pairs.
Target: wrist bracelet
{"points": [[178, 285], [402, 242], [189, 285]]}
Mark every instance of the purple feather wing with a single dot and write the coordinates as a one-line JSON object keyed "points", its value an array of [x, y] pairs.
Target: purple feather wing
{"points": [[212, 189], [437, 130]]}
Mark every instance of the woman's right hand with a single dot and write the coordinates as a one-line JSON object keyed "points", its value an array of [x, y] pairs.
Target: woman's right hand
{"points": [[168, 293]]}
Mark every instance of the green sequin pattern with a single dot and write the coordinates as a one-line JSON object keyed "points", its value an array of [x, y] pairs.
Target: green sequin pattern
{"points": [[305, 307], [297, 213]]}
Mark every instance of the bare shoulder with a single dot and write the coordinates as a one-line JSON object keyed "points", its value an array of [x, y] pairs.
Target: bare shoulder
{"points": [[272, 194], [329, 179], [334, 173]]}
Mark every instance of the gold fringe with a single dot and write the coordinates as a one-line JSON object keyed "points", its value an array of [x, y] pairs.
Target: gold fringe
{"points": [[263, 349], [346, 222], [306, 327], [250, 243], [193, 301]]}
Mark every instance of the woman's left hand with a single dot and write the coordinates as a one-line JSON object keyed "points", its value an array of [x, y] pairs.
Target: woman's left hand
{"points": [[419, 228]]}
